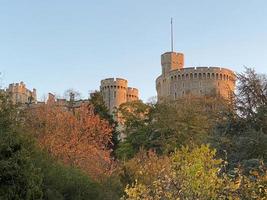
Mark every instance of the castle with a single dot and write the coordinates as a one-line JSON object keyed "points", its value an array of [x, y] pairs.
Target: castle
{"points": [[19, 94], [176, 81], [115, 91]]}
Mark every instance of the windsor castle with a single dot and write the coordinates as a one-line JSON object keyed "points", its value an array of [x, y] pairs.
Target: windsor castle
{"points": [[175, 81]]}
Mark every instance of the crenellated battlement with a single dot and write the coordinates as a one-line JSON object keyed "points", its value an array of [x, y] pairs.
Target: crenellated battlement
{"points": [[108, 81]]}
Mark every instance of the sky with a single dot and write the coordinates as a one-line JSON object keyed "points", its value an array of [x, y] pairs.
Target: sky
{"points": [[55, 45]]}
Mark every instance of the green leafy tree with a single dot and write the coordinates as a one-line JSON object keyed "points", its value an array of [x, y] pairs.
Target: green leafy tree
{"points": [[166, 126], [135, 118], [19, 177], [241, 134]]}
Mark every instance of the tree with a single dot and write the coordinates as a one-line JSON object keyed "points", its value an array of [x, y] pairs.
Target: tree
{"points": [[241, 133], [100, 109], [77, 139], [185, 175], [135, 120], [189, 174], [166, 126], [20, 179]]}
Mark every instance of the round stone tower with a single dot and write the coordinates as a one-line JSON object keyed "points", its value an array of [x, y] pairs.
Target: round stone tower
{"points": [[177, 81], [114, 92]]}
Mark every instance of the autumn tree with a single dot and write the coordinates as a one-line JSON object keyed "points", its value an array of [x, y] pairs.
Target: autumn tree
{"points": [[189, 174], [77, 139]]}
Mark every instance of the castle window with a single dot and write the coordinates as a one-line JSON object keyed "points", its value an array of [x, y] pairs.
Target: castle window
{"points": [[114, 94], [191, 76], [224, 77], [182, 76], [204, 75], [227, 78], [195, 75], [186, 76], [175, 77], [200, 76], [179, 77], [217, 76], [171, 77], [208, 75], [212, 75], [221, 76]]}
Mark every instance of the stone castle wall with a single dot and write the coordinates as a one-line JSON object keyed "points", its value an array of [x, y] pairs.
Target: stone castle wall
{"points": [[196, 81]]}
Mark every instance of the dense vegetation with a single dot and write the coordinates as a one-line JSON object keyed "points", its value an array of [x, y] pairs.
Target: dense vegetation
{"points": [[193, 148]]}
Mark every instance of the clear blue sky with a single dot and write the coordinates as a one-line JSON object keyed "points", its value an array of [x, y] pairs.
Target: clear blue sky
{"points": [[54, 45]]}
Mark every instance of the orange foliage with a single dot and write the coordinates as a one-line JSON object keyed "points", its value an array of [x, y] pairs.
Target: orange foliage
{"points": [[77, 139]]}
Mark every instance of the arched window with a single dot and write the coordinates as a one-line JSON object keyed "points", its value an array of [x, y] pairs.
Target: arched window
{"points": [[200, 76], [208, 75]]}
